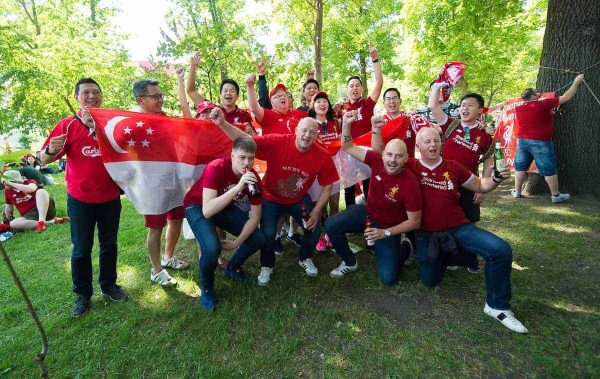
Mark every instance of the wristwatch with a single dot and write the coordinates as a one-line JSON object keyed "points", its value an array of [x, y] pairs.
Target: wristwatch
{"points": [[387, 232]]}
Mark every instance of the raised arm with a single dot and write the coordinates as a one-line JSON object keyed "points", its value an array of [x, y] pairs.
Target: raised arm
{"points": [[378, 75], [347, 144], [571, 91], [263, 89], [377, 123], [185, 108], [252, 101], [216, 116], [434, 103], [190, 88]]}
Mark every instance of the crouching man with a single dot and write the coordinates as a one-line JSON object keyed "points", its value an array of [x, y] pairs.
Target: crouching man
{"points": [[393, 207], [34, 204], [220, 199]]}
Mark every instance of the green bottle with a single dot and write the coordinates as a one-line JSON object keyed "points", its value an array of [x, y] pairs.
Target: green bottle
{"points": [[498, 160]]}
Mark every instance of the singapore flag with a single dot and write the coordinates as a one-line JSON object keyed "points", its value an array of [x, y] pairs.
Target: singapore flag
{"points": [[155, 159]]}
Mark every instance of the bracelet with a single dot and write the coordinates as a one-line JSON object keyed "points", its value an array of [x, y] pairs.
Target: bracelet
{"points": [[47, 151], [375, 60]]}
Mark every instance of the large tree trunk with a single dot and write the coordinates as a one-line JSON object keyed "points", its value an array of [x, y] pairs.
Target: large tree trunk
{"points": [[572, 42], [318, 4]]}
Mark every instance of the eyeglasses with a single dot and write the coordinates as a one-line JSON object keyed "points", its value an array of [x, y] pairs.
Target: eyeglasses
{"points": [[279, 96], [395, 98], [157, 96]]}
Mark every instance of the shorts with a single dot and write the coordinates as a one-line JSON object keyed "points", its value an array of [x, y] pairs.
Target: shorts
{"points": [[35, 216], [159, 221], [542, 152], [472, 211]]}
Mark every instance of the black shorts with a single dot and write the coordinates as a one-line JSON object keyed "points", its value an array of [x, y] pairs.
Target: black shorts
{"points": [[34, 215]]}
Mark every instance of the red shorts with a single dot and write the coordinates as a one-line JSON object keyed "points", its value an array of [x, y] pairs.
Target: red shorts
{"points": [[159, 221]]}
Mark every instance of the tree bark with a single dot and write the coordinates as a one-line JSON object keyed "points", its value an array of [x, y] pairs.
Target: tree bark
{"points": [[572, 42]]}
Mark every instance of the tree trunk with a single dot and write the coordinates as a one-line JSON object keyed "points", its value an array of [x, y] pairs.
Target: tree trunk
{"points": [[572, 42], [318, 4]]}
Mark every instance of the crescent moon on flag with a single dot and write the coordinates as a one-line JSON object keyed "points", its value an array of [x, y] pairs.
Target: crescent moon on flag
{"points": [[109, 129]]}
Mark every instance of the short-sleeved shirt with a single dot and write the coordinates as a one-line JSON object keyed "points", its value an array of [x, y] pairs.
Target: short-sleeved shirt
{"points": [[391, 196], [439, 185], [291, 172], [365, 108], [219, 175], [416, 123], [463, 150], [535, 119], [23, 201], [274, 122], [87, 178], [329, 132]]}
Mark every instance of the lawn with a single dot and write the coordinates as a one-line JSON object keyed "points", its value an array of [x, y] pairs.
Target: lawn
{"points": [[316, 327]]}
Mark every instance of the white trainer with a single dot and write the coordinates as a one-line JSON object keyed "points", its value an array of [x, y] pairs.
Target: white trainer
{"points": [[163, 278], [174, 263], [265, 276], [309, 267], [342, 270], [560, 198], [516, 194], [507, 318]]}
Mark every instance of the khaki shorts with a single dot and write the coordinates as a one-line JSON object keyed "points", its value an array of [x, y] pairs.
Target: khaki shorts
{"points": [[34, 215]]}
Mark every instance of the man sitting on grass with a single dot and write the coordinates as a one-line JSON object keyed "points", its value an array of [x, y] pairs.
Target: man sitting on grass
{"points": [[34, 204]]}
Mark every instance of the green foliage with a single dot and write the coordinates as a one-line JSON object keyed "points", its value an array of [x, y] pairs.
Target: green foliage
{"points": [[45, 47]]}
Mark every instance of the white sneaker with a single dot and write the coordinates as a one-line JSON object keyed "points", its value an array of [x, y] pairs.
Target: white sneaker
{"points": [[163, 278], [507, 318], [265, 276], [309, 267], [342, 270], [174, 263], [452, 268], [561, 197], [516, 194]]}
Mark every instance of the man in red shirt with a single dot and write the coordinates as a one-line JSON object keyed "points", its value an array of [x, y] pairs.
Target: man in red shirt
{"points": [[535, 120], [228, 188], [293, 164], [229, 91], [150, 99], [34, 204], [364, 111], [393, 207], [445, 229], [93, 198], [278, 120]]}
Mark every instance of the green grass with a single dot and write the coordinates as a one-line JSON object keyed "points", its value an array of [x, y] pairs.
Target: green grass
{"points": [[316, 327], [15, 156]]}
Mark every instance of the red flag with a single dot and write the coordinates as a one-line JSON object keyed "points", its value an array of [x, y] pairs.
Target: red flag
{"points": [[450, 74], [155, 159]]}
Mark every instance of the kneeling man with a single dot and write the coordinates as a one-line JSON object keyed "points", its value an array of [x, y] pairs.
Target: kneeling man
{"points": [[393, 207], [220, 199]]}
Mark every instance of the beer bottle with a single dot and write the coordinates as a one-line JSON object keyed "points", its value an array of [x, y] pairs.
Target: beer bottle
{"points": [[368, 225], [253, 189], [498, 160]]}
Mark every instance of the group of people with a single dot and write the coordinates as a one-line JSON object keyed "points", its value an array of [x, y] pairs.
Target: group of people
{"points": [[430, 202]]}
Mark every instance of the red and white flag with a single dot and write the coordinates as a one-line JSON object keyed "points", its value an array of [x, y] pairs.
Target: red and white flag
{"points": [[155, 159], [450, 74]]}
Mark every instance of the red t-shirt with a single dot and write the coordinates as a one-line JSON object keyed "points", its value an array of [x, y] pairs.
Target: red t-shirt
{"points": [[219, 175], [237, 117], [274, 122], [87, 178], [535, 119], [417, 122], [24, 202], [466, 151], [329, 132], [365, 108], [439, 184], [391, 196], [290, 172]]}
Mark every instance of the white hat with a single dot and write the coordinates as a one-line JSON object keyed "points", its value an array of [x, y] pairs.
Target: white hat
{"points": [[15, 176]]}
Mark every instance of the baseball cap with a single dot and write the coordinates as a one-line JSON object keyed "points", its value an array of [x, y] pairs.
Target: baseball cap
{"points": [[206, 104], [277, 88], [15, 176]]}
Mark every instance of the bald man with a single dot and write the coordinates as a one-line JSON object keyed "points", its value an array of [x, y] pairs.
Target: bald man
{"points": [[393, 207]]}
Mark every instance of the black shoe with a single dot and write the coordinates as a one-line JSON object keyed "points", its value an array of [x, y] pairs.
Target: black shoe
{"points": [[236, 274], [295, 239], [115, 293], [81, 306], [277, 246]]}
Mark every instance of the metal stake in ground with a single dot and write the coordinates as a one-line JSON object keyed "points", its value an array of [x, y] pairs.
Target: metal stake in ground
{"points": [[39, 359]]}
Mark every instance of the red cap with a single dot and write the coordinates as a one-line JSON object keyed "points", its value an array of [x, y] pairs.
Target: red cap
{"points": [[320, 95], [276, 88], [205, 105]]}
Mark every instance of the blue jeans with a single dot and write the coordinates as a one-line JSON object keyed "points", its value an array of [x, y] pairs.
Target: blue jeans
{"points": [[232, 220], [471, 239], [542, 152], [390, 254], [271, 212], [84, 217]]}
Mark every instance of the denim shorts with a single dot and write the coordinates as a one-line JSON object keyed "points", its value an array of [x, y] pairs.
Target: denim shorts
{"points": [[542, 152]]}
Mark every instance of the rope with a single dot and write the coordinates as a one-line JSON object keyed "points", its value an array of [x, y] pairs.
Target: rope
{"points": [[592, 92]]}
